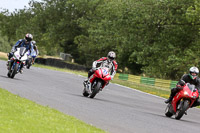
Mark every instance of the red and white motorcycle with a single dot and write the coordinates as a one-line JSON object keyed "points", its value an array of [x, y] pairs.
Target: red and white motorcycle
{"points": [[98, 81]]}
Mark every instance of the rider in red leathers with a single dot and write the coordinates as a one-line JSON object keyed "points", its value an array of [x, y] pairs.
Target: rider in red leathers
{"points": [[108, 62]]}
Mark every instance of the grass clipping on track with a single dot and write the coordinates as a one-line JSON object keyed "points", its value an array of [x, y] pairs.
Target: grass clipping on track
{"points": [[19, 115]]}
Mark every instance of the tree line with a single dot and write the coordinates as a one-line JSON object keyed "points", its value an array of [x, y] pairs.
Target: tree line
{"points": [[154, 38]]}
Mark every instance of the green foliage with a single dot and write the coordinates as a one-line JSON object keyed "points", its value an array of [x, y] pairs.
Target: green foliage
{"points": [[4, 44], [155, 38]]}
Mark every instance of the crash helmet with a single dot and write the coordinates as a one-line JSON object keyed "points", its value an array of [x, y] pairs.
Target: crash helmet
{"points": [[111, 56], [194, 71], [28, 37], [34, 42]]}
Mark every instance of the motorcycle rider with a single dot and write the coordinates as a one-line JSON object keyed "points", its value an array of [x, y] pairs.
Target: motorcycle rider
{"points": [[35, 52], [191, 78], [108, 62], [26, 42]]}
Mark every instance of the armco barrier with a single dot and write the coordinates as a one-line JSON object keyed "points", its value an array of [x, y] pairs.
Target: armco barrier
{"points": [[167, 84], [162, 83], [173, 84], [61, 64], [123, 76], [135, 79], [147, 81], [116, 76]]}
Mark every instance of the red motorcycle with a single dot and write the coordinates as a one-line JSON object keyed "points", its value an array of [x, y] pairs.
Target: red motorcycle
{"points": [[98, 81], [182, 101]]}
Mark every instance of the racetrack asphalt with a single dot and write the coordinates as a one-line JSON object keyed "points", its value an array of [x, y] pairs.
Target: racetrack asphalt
{"points": [[116, 109]]}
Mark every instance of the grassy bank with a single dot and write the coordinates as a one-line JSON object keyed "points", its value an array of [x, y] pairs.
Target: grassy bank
{"points": [[19, 115]]}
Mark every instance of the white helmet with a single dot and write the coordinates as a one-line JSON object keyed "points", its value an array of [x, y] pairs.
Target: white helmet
{"points": [[111, 55], [33, 42], [28, 37], [194, 70]]}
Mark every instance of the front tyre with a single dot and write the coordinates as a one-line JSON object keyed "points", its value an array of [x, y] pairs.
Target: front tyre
{"points": [[183, 108], [96, 89], [14, 71]]}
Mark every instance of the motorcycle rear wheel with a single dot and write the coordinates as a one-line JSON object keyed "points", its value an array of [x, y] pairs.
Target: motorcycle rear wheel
{"points": [[29, 64], [8, 74], [181, 111]]}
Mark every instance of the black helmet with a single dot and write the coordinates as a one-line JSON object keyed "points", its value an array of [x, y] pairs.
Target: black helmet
{"points": [[194, 70], [111, 55], [28, 37]]}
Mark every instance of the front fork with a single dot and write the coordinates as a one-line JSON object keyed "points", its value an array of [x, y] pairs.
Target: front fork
{"points": [[12, 65]]}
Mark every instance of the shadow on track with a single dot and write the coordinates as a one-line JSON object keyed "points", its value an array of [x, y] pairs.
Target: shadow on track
{"points": [[9, 78], [172, 118]]}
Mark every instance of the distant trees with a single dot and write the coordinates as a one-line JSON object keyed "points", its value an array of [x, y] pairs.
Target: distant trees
{"points": [[156, 38]]}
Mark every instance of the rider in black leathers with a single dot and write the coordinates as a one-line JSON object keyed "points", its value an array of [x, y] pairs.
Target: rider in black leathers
{"points": [[191, 78]]}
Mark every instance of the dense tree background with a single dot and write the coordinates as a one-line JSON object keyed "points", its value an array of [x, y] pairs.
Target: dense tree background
{"points": [[156, 38]]}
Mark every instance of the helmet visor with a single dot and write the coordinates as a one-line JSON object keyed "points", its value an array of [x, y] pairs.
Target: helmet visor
{"points": [[111, 58], [193, 75], [28, 39]]}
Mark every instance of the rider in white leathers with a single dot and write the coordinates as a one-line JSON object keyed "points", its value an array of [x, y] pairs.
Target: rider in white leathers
{"points": [[108, 62]]}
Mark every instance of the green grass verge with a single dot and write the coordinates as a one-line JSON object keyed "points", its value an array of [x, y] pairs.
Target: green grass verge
{"points": [[145, 88], [19, 115], [3, 58]]}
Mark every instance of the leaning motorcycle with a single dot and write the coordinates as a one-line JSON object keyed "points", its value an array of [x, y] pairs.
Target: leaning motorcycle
{"points": [[182, 101], [98, 81], [29, 62], [19, 58]]}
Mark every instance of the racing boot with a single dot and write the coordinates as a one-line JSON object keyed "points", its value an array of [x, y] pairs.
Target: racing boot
{"points": [[169, 99], [88, 87], [7, 64], [21, 70], [173, 93], [85, 82]]}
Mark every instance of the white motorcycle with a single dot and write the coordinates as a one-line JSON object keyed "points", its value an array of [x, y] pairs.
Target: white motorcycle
{"points": [[20, 56]]}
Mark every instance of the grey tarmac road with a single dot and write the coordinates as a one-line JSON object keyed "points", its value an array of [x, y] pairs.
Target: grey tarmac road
{"points": [[116, 109]]}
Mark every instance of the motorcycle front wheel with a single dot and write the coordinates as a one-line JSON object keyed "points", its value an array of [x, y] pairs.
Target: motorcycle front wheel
{"points": [[183, 108], [96, 89], [14, 71]]}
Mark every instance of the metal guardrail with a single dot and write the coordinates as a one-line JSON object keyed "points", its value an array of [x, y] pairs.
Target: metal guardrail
{"points": [[161, 83]]}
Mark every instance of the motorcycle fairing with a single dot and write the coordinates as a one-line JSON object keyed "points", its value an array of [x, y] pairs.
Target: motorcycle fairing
{"points": [[186, 93]]}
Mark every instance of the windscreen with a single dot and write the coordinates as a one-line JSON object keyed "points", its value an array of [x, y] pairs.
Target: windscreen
{"points": [[191, 87], [22, 51]]}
